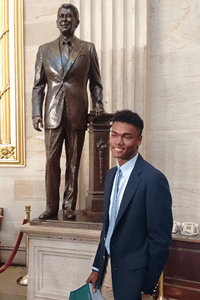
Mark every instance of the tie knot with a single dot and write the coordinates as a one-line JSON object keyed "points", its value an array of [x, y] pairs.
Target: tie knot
{"points": [[119, 173], [69, 44]]}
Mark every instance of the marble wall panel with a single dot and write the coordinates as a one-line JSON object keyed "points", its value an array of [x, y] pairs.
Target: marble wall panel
{"points": [[7, 188], [173, 115], [28, 190], [174, 91], [186, 205], [175, 155], [174, 25]]}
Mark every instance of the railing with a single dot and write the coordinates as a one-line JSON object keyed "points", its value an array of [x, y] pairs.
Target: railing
{"points": [[7, 264]]}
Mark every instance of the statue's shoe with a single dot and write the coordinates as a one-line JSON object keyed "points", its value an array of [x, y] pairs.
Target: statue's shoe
{"points": [[48, 214], [69, 214]]}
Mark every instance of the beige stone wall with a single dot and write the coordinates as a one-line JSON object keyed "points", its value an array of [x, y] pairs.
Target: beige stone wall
{"points": [[174, 104], [149, 58]]}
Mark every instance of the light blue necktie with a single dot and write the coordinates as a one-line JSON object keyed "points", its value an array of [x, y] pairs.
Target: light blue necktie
{"points": [[113, 215]]}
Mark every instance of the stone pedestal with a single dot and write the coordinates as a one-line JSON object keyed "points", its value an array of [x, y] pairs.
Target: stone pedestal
{"points": [[60, 257], [99, 129]]}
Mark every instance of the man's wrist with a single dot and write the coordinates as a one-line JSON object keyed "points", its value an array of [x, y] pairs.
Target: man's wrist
{"points": [[95, 269]]}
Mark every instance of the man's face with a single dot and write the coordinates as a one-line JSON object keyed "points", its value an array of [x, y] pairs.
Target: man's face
{"points": [[124, 141], [66, 21]]}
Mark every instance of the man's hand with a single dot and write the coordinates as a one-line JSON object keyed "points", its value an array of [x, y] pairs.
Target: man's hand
{"points": [[93, 278], [37, 123], [99, 111]]}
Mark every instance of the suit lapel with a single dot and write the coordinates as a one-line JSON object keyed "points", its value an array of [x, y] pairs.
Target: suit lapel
{"points": [[77, 48], [132, 185], [55, 51], [56, 55], [107, 194]]}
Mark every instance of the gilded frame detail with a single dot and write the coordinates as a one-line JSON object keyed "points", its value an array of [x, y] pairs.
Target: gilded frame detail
{"points": [[12, 152]]}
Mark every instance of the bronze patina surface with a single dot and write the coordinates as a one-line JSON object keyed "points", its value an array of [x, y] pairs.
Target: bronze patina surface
{"points": [[65, 66]]}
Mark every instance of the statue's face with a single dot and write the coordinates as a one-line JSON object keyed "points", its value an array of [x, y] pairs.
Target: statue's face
{"points": [[66, 22]]}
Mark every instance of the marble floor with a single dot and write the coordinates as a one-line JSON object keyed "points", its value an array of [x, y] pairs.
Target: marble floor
{"points": [[9, 289]]}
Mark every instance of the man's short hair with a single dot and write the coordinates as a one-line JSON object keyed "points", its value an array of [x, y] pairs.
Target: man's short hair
{"points": [[130, 117], [72, 7]]}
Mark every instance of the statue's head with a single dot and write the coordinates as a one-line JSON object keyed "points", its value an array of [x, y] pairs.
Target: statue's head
{"points": [[67, 19]]}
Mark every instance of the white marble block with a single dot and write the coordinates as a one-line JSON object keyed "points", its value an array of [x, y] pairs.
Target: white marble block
{"points": [[60, 260]]}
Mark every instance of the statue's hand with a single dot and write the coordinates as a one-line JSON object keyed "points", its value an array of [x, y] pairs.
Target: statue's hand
{"points": [[99, 111], [37, 123]]}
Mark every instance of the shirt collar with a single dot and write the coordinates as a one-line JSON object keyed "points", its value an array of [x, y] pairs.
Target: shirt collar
{"points": [[129, 165], [64, 41]]}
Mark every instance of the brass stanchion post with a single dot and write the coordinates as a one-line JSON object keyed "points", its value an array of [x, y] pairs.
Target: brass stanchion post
{"points": [[161, 283], [24, 279]]}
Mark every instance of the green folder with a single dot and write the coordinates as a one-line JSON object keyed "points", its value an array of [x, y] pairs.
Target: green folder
{"points": [[85, 293], [82, 293]]}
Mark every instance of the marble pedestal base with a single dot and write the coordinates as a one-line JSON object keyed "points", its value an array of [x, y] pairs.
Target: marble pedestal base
{"points": [[60, 258]]}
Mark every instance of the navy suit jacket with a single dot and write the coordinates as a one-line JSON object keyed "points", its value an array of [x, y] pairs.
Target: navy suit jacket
{"points": [[142, 232]]}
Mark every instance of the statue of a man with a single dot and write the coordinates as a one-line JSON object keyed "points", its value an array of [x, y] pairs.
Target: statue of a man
{"points": [[65, 66]]}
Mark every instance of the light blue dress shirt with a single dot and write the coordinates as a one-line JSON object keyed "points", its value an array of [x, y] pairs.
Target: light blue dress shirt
{"points": [[126, 169]]}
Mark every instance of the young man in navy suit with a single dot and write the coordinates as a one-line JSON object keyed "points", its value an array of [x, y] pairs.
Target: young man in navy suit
{"points": [[131, 256]]}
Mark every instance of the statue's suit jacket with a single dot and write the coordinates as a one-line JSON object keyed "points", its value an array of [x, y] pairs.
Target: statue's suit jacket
{"points": [[66, 83], [142, 232]]}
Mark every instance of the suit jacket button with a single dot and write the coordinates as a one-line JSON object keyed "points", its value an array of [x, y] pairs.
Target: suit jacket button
{"points": [[103, 257]]}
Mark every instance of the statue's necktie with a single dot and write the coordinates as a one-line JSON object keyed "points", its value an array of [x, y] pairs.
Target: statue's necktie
{"points": [[113, 215], [66, 56]]}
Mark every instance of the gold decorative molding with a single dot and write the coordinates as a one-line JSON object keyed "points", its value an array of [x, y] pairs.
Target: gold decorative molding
{"points": [[7, 152], [5, 90], [12, 93], [4, 30]]}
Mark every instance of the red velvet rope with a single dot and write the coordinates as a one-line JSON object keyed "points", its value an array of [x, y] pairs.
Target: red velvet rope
{"points": [[6, 265]]}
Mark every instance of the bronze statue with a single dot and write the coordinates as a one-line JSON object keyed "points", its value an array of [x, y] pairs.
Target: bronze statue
{"points": [[65, 66]]}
